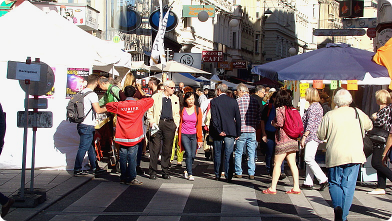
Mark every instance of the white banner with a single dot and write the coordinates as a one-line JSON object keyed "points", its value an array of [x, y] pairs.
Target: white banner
{"points": [[158, 49], [191, 59]]}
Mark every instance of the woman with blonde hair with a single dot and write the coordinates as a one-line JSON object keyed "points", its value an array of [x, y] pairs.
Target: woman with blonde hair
{"points": [[311, 121], [381, 119], [130, 80]]}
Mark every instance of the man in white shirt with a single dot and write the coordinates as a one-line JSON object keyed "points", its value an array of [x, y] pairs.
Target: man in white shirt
{"points": [[86, 129]]}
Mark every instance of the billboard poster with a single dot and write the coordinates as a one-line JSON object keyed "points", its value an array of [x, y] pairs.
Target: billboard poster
{"points": [[76, 80]]}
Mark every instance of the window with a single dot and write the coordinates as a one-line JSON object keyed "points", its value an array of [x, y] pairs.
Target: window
{"points": [[257, 40], [234, 40]]}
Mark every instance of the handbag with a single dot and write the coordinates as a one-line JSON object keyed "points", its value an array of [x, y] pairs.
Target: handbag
{"points": [[378, 135], [367, 142]]}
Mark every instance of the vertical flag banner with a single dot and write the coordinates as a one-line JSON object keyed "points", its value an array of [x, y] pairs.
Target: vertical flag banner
{"points": [[352, 85], [302, 88], [334, 85], [158, 49]]}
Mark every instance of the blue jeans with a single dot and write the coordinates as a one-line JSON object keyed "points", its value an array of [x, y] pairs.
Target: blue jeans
{"points": [[86, 133], [128, 155], [140, 152], [342, 180], [189, 142], [247, 140], [3, 199], [224, 146]]}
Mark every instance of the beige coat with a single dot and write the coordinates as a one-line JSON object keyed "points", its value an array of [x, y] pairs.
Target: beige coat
{"points": [[154, 113], [341, 129]]}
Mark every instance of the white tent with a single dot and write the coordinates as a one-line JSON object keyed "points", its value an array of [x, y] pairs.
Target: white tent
{"points": [[185, 78], [28, 31]]}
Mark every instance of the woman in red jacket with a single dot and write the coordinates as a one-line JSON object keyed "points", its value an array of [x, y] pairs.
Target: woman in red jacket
{"points": [[190, 136]]}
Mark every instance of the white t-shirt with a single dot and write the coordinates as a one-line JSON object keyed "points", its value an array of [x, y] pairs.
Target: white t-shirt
{"points": [[88, 101]]}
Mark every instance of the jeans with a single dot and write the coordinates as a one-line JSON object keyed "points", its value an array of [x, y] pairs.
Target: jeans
{"points": [[162, 138], [86, 133], [3, 199], [224, 146], [247, 140], [128, 156], [383, 172], [312, 168], [189, 142], [342, 181], [139, 152]]}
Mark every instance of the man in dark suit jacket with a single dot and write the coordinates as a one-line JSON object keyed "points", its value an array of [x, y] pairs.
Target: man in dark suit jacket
{"points": [[225, 127]]}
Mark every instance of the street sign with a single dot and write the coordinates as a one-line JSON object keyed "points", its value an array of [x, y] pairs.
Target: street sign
{"points": [[40, 103], [339, 32], [44, 119], [23, 71], [360, 23]]}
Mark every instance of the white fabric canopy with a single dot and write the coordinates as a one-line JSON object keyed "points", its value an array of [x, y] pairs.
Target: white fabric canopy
{"points": [[29, 32]]}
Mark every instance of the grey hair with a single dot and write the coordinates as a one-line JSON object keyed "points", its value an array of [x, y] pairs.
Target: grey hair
{"points": [[342, 98], [167, 83], [242, 87], [259, 88], [222, 87]]}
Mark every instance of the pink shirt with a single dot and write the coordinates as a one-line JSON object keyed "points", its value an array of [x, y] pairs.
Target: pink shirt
{"points": [[188, 123]]}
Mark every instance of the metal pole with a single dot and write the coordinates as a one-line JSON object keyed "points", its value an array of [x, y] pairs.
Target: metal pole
{"points": [[37, 60], [26, 115]]}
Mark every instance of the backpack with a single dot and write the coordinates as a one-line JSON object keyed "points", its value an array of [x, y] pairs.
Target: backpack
{"points": [[293, 126], [75, 108]]}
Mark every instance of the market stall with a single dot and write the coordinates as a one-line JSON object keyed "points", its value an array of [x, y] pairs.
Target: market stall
{"points": [[71, 53]]}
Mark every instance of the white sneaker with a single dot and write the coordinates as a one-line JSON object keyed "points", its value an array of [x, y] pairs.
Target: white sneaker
{"points": [[377, 192], [191, 178], [185, 174]]}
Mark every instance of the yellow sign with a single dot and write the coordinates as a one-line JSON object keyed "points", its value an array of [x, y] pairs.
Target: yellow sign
{"points": [[352, 85], [302, 88]]}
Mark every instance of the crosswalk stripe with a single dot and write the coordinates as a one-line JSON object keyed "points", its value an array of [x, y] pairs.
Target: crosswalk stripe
{"points": [[239, 200], [372, 204], [100, 202], [171, 198], [318, 203]]}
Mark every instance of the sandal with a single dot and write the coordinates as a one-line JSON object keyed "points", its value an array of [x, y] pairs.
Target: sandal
{"points": [[293, 192], [268, 191]]}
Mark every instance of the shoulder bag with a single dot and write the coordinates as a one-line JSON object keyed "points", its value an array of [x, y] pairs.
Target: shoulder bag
{"points": [[367, 143]]}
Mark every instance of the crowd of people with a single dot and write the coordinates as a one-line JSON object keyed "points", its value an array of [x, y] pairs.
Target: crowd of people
{"points": [[228, 124]]}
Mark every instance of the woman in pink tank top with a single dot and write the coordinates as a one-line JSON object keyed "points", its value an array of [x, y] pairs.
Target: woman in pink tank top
{"points": [[190, 132]]}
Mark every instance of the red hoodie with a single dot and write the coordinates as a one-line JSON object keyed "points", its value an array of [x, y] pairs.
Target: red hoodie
{"points": [[129, 129]]}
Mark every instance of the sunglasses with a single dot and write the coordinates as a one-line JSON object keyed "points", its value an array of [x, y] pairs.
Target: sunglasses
{"points": [[172, 87]]}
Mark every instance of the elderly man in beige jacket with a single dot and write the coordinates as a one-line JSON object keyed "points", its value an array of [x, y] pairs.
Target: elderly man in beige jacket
{"points": [[163, 116], [342, 130]]}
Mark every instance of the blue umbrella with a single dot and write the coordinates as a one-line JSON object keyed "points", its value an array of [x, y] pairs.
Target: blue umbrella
{"points": [[334, 62]]}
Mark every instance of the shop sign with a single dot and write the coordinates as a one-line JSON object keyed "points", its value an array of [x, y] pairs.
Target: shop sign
{"points": [[193, 10], [228, 66], [239, 64], [339, 32], [212, 56], [318, 84], [334, 84], [80, 15], [352, 85], [190, 59], [302, 88]]}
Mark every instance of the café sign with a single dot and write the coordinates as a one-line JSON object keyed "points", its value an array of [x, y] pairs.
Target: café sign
{"points": [[212, 56]]}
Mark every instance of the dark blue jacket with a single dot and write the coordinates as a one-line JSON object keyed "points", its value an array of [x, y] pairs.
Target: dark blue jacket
{"points": [[225, 117]]}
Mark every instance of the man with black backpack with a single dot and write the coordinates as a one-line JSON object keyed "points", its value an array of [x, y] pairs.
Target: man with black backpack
{"points": [[86, 128]]}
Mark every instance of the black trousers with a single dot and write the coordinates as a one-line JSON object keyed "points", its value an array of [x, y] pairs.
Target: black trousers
{"points": [[163, 137], [383, 172]]}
